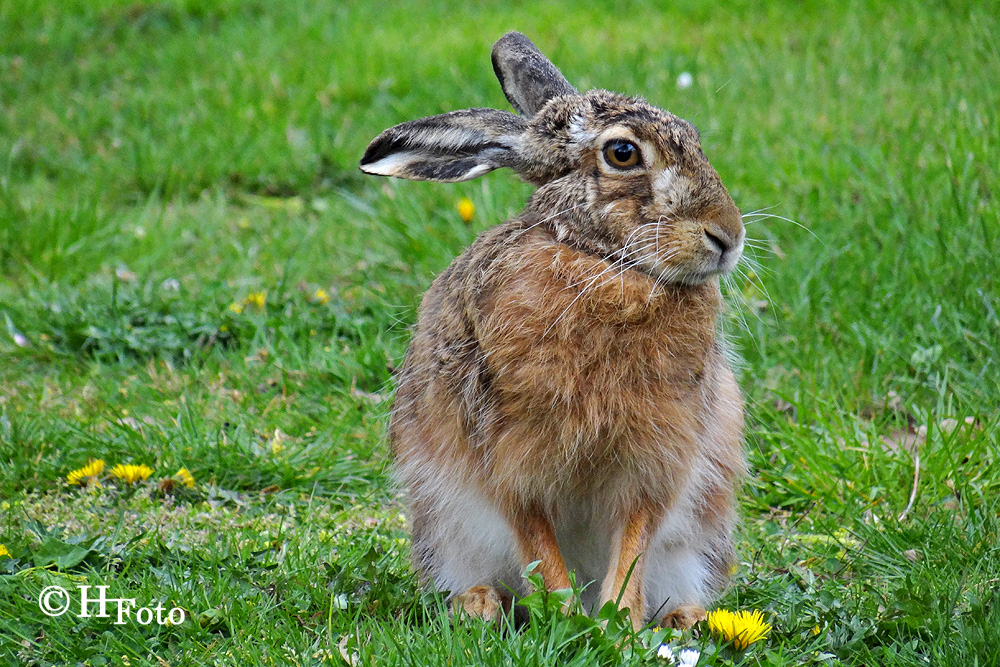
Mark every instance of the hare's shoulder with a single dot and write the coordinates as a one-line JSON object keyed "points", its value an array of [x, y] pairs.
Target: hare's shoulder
{"points": [[483, 266], [445, 337]]}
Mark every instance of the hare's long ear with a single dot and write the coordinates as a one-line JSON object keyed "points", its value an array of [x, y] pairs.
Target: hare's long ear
{"points": [[527, 77], [452, 147]]}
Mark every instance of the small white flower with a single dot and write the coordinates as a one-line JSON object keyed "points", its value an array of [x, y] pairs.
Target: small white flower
{"points": [[689, 657], [125, 275], [171, 285], [665, 653], [20, 340], [684, 80]]}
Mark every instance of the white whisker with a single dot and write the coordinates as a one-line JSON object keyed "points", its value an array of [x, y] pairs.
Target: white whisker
{"points": [[764, 216]]}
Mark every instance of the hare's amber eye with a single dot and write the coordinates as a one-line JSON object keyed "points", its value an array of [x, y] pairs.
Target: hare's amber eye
{"points": [[621, 154]]}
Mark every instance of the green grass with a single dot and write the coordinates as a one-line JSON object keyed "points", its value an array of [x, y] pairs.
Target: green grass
{"points": [[162, 161]]}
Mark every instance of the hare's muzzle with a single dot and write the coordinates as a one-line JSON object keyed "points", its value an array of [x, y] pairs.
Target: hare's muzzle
{"points": [[723, 239]]}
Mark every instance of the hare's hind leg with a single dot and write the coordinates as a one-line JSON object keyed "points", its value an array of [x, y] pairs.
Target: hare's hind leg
{"points": [[683, 577], [677, 584], [460, 540], [534, 536], [485, 602]]}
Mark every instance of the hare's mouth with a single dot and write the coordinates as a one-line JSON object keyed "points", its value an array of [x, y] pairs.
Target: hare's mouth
{"points": [[716, 254], [680, 250], [691, 270]]}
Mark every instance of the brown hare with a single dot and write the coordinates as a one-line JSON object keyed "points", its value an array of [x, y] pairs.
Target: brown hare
{"points": [[565, 397]]}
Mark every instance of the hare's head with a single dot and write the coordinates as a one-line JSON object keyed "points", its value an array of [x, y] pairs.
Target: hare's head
{"points": [[617, 177]]}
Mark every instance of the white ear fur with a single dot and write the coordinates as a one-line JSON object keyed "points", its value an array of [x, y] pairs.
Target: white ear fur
{"points": [[404, 165], [391, 165]]}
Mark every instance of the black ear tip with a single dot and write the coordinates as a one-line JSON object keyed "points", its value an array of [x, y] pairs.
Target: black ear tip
{"points": [[390, 141], [373, 153]]}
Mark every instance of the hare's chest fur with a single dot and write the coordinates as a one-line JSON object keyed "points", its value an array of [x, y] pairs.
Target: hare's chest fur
{"points": [[543, 383], [596, 377]]}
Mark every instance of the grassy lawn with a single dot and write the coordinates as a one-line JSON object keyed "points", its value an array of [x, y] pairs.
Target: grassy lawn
{"points": [[194, 274]]}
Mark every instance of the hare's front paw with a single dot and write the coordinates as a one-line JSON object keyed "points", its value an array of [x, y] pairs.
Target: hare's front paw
{"points": [[483, 602], [684, 617]]}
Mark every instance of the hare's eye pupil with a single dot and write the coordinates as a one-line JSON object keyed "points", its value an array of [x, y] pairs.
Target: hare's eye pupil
{"points": [[620, 153]]}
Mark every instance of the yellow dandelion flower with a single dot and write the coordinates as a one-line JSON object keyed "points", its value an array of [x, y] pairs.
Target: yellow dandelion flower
{"points": [[236, 308], [184, 477], [321, 296], [4, 552], [466, 209], [256, 299], [741, 628], [87, 474], [277, 444], [131, 474]]}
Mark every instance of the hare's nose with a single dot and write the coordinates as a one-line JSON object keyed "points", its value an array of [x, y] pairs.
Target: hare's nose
{"points": [[721, 239], [716, 241], [723, 229]]}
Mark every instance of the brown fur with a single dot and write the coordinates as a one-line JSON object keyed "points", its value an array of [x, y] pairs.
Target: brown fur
{"points": [[568, 359]]}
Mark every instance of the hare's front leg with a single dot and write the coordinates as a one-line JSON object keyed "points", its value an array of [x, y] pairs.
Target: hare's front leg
{"points": [[629, 546], [536, 541]]}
